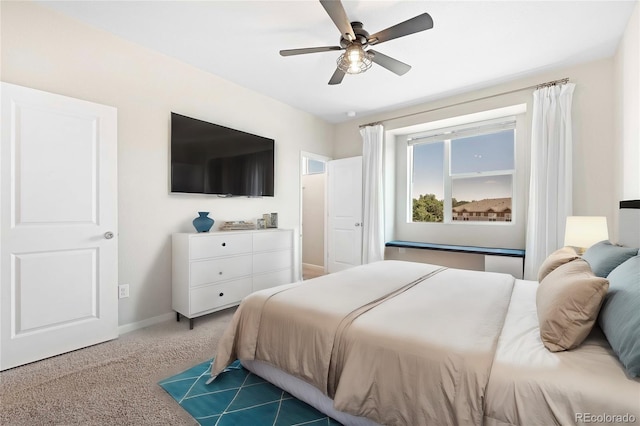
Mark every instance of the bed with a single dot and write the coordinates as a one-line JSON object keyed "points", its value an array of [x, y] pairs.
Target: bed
{"points": [[407, 343]]}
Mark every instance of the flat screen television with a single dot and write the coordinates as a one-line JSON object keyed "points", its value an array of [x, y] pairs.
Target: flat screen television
{"points": [[210, 159]]}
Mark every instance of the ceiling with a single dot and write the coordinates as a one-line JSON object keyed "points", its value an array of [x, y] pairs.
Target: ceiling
{"points": [[473, 44]]}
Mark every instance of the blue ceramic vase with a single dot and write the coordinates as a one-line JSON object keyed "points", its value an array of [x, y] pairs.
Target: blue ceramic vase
{"points": [[203, 223]]}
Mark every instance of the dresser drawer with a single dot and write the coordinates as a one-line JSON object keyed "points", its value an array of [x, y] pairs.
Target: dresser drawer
{"points": [[272, 240], [216, 270], [271, 261], [271, 279], [201, 247], [213, 296]]}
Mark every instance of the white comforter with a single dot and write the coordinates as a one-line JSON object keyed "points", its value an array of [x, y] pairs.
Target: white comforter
{"points": [[531, 386]]}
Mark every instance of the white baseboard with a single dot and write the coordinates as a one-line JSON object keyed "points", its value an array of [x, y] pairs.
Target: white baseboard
{"points": [[127, 328], [314, 268]]}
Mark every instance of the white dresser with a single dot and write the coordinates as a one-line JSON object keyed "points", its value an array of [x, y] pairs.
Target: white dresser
{"points": [[216, 270]]}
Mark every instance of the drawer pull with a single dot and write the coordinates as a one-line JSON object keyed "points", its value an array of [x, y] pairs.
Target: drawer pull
{"points": [[221, 294], [224, 244], [220, 273]]}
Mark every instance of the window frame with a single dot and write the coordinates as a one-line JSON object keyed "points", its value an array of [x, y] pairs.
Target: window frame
{"points": [[396, 172], [306, 169], [446, 135]]}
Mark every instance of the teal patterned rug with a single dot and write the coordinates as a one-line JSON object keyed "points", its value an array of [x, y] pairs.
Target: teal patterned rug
{"points": [[238, 397]]}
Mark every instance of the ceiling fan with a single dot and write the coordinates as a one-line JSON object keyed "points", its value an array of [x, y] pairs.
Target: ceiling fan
{"points": [[354, 39]]}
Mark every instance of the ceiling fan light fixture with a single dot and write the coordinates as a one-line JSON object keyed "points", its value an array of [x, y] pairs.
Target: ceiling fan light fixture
{"points": [[354, 39], [354, 60]]}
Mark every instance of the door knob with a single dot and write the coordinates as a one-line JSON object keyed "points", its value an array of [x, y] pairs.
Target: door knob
{"points": [[357, 224], [108, 235]]}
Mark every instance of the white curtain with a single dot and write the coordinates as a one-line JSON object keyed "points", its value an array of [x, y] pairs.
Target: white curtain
{"points": [[373, 214], [550, 188]]}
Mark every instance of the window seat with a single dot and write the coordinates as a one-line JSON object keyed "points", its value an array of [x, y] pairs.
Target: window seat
{"points": [[510, 261], [459, 249]]}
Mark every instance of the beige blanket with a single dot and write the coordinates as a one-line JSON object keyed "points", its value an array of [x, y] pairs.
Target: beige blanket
{"points": [[397, 342]]}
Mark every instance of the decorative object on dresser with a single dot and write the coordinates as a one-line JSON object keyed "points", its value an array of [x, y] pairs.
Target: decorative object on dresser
{"points": [[237, 225], [216, 270], [203, 222], [269, 220]]}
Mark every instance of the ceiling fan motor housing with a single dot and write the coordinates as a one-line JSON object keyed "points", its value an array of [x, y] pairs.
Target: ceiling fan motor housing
{"points": [[362, 36]]}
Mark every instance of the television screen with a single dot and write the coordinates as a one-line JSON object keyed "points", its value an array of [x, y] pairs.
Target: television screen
{"points": [[210, 159]]}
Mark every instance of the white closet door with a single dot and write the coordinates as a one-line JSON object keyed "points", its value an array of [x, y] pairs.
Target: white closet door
{"points": [[344, 207], [58, 225]]}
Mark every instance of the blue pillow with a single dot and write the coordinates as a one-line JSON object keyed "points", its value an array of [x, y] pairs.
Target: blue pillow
{"points": [[620, 314], [603, 257]]}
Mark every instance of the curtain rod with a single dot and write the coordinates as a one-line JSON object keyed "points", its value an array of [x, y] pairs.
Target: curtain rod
{"points": [[535, 86]]}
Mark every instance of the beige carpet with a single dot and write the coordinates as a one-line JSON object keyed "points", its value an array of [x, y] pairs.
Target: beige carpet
{"points": [[113, 383]]}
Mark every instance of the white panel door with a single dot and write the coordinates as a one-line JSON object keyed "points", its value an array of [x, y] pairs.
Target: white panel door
{"points": [[344, 207], [58, 225]]}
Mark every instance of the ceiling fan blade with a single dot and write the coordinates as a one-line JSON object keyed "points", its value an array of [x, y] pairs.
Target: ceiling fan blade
{"points": [[291, 52], [339, 17], [410, 26], [389, 63], [337, 77]]}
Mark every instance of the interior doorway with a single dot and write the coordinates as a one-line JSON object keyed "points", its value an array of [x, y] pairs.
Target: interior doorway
{"points": [[313, 214], [344, 214]]}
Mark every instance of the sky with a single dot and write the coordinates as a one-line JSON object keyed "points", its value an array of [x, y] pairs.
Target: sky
{"points": [[468, 155]]}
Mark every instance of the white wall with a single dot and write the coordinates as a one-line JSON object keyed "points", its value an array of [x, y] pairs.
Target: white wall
{"points": [[627, 84], [594, 160], [47, 51]]}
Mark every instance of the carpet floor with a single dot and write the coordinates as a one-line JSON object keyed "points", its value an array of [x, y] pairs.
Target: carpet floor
{"points": [[113, 383]]}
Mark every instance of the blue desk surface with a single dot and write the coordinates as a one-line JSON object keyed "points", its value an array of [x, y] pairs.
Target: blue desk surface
{"points": [[459, 249]]}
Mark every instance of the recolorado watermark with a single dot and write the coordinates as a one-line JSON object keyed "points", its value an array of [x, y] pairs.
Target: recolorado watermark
{"points": [[604, 418]]}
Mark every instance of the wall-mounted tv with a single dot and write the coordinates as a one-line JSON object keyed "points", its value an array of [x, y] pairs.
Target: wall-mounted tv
{"points": [[210, 159]]}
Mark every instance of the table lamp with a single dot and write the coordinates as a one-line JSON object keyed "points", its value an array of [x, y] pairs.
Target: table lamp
{"points": [[582, 232]]}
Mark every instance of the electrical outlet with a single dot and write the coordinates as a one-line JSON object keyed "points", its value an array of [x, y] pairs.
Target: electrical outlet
{"points": [[123, 291]]}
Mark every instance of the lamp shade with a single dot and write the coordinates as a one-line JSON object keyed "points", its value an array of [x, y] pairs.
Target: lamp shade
{"points": [[585, 231]]}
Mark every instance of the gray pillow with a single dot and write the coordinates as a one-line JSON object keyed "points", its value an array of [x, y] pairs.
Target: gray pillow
{"points": [[603, 257], [620, 314]]}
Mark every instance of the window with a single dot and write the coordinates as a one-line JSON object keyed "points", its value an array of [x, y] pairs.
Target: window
{"points": [[463, 173], [311, 166]]}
